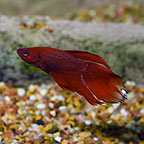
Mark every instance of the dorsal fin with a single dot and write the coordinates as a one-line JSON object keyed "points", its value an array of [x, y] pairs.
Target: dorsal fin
{"points": [[84, 55]]}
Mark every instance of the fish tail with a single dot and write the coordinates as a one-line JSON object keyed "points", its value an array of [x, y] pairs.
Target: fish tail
{"points": [[105, 85]]}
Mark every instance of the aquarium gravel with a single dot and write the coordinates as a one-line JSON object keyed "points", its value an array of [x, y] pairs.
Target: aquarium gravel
{"points": [[46, 114]]}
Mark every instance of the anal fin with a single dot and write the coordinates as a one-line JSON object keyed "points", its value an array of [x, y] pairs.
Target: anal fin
{"points": [[73, 81]]}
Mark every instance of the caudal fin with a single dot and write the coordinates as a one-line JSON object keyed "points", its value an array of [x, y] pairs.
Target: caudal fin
{"points": [[103, 83]]}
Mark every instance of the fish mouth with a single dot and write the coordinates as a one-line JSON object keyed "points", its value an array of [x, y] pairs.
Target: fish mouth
{"points": [[19, 52]]}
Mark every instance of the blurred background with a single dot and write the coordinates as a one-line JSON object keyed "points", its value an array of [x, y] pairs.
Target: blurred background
{"points": [[54, 7], [33, 109]]}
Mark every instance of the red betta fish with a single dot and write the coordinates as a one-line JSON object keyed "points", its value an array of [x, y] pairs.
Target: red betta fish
{"points": [[78, 71]]}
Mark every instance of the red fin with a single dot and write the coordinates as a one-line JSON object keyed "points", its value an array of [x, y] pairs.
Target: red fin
{"points": [[84, 55], [72, 81], [103, 83], [59, 78]]}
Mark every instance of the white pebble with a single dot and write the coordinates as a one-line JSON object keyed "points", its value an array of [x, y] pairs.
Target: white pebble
{"points": [[34, 125], [2, 84], [50, 135], [55, 97], [131, 95], [76, 128], [36, 136], [21, 91], [58, 139], [43, 92], [53, 113], [57, 134], [75, 139], [95, 139], [131, 83], [37, 113], [48, 86], [60, 98], [142, 111], [43, 113], [7, 98], [72, 110], [109, 122], [116, 105], [51, 105], [123, 112], [31, 87], [88, 122], [97, 106], [14, 141], [62, 108], [40, 106], [29, 129], [110, 110], [93, 114], [71, 130], [32, 97], [57, 121]]}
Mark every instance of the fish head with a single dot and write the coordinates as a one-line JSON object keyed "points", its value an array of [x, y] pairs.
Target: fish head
{"points": [[29, 55]]}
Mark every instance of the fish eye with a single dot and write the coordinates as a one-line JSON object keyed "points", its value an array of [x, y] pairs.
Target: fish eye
{"points": [[25, 54]]}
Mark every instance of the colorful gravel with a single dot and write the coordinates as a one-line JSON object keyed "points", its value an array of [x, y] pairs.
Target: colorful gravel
{"points": [[46, 114], [128, 12]]}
